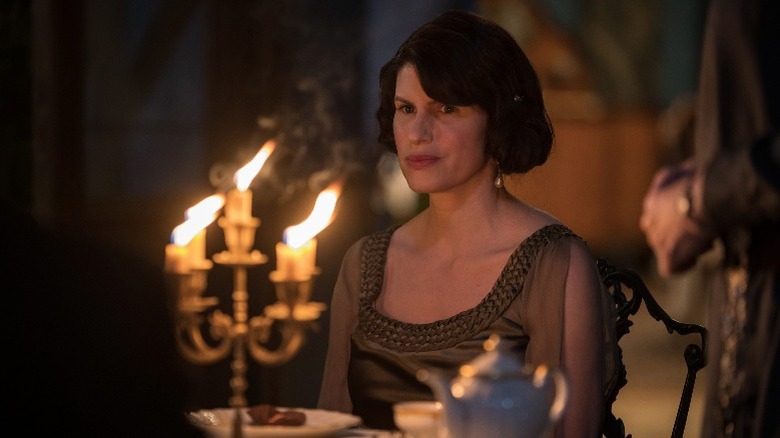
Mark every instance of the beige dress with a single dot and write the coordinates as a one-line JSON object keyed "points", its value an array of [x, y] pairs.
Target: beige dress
{"points": [[373, 360]]}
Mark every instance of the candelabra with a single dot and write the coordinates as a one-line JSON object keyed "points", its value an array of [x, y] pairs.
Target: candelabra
{"points": [[292, 313]]}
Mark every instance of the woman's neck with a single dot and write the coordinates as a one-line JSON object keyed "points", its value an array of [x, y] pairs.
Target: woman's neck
{"points": [[464, 221]]}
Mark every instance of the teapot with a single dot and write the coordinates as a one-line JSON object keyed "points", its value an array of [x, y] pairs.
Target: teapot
{"points": [[496, 395]]}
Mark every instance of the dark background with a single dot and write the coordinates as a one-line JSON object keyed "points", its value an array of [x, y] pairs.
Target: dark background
{"points": [[119, 115]]}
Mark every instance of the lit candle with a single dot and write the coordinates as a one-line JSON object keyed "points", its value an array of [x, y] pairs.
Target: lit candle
{"points": [[238, 208], [199, 216], [177, 259], [239, 199], [296, 263], [296, 254], [197, 248], [179, 253], [187, 249]]}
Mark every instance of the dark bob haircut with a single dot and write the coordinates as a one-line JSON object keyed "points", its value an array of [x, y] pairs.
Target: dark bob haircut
{"points": [[465, 59]]}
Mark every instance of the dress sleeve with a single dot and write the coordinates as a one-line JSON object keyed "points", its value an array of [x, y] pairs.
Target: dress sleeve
{"points": [[541, 305], [334, 393], [570, 325]]}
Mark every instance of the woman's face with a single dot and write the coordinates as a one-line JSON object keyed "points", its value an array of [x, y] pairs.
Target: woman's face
{"points": [[440, 146]]}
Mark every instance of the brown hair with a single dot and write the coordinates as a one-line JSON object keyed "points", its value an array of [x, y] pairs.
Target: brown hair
{"points": [[465, 59]]}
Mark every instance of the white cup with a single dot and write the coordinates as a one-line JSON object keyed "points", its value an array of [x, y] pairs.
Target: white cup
{"points": [[420, 419]]}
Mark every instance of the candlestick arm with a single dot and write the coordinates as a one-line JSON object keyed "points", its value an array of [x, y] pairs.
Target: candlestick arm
{"points": [[293, 334], [194, 347]]}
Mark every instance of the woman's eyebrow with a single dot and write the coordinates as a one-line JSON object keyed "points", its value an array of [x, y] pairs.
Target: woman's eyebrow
{"points": [[400, 99]]}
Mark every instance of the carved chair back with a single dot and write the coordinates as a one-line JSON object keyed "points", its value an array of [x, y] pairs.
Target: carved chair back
{"points": [[629, 292]]}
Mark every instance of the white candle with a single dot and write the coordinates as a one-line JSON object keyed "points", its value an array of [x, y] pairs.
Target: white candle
{"points": [[177, 259], [188, 247], [192, 232], [296, 255], [238, 208], [296, 263], [197, 249]]}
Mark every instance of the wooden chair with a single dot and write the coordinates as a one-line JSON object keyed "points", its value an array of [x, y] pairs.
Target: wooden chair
{"points": [[618, 281]]}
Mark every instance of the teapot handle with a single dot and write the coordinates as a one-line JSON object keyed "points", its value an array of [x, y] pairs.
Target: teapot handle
{"points": [[561, 390]]}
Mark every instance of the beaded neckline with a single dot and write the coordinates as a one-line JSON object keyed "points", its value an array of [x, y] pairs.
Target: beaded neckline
{"points": [[444, 333]]}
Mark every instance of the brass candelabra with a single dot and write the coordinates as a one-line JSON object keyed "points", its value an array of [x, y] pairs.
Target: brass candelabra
{"points": [[292, 313]]}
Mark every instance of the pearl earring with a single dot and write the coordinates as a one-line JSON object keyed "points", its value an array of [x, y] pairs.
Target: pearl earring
{"points": [[499, 181]]}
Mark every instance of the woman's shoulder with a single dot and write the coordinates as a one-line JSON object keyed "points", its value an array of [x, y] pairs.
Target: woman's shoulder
{"points": [[368, 250], [374, 241], [555, 246], [535, 225], [549, 238]]}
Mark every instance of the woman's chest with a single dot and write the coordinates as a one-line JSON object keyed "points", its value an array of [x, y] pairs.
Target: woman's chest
{"points": [[422, 289]]}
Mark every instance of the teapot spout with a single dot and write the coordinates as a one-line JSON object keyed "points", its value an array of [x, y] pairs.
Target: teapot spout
{"points": [[454, 416], [438, 382], [441, 385]]}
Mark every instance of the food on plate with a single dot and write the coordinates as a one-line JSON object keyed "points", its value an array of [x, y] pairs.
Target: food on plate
{"points": [[267, 415]]}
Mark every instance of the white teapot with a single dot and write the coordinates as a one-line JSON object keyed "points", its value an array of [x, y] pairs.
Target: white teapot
{"points": [[496, 395]]}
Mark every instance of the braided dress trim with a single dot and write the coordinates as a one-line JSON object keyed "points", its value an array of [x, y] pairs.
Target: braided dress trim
{"points": [[408, 337]]}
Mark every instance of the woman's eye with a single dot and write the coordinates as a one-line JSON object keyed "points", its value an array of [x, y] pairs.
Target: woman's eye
{"points": [[448, 109], [407, 109]]}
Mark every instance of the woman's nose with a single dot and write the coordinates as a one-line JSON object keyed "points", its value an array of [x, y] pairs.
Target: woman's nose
{"points": [[420, 128]]}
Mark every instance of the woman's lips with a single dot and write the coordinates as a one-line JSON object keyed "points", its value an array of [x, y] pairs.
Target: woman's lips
{"points": [[417, 162]]}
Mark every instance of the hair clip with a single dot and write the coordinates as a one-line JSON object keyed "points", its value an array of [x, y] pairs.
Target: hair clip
{"points": [[518, 98]]}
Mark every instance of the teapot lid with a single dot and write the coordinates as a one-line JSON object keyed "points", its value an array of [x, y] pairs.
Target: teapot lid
{"points": [[498, 361]]}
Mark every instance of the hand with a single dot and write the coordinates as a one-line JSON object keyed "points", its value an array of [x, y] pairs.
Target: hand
{"points": [[675, 236]]}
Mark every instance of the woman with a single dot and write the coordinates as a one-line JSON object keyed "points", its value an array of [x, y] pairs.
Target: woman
{"points": [[461, 105]]}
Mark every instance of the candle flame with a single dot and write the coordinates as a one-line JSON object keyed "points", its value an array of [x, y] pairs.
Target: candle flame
{"points": [[244, 176], [198, 217], [321, 216], [207, 207]]}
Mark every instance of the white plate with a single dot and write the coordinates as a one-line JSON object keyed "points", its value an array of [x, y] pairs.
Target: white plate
{"points": [[217, 423]]}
